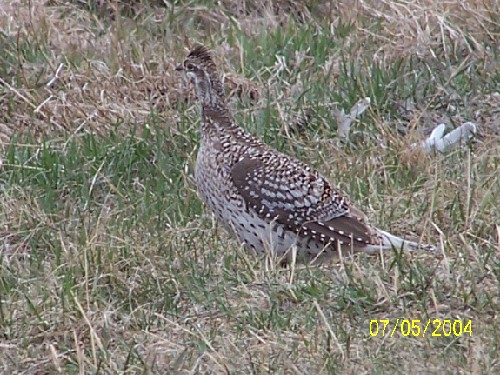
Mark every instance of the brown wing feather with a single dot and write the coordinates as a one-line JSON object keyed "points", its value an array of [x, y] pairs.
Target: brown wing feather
{"points": [[282, 189], [286, 191], [348, 230]]}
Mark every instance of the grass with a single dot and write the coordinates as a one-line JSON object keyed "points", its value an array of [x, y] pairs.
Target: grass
{"points": [[110, 264]]}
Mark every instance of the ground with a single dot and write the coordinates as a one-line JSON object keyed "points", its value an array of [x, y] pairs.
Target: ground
{"points": [[111, 265]]}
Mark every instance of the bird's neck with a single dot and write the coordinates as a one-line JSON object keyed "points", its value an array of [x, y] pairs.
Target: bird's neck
{"points": [[216, 115], [210, 91], [216, 118]]}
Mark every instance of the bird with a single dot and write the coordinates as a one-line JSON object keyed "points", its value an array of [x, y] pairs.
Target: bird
{"points": [[271, 202]]}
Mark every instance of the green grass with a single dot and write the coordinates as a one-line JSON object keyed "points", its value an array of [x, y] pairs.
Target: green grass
{"points": [[111, 265]]}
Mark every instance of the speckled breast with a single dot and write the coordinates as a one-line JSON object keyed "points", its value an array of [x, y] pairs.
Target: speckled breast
{"points": [[214, 185]]}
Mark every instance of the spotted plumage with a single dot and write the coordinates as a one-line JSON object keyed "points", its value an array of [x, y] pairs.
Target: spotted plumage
{"points": [[270, 201]]}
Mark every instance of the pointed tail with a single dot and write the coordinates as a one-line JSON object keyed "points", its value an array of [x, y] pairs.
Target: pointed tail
{"points": [[390, 241]]}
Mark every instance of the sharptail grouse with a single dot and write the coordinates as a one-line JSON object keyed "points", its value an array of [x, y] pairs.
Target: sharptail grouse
{"points": [[272, 202]]}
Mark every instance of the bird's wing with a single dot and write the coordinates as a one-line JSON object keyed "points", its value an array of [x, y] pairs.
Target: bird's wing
{"points": [[284, 190]]}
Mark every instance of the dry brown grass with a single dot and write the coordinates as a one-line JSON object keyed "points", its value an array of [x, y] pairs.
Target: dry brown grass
{"points": [[108, 264], [120, 74]]}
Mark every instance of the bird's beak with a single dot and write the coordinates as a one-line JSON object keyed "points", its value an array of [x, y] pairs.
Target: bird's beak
{"points": [[179, 68]]}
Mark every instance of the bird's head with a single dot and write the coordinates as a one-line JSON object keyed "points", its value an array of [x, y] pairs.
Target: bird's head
{"points": [[198, 65], [200, 69]]}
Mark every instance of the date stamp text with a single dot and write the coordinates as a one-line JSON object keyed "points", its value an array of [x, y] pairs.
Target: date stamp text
{"points": [[420, 328]]}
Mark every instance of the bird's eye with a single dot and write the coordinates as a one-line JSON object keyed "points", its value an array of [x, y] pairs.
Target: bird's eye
{"points": [[189, 66]]}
